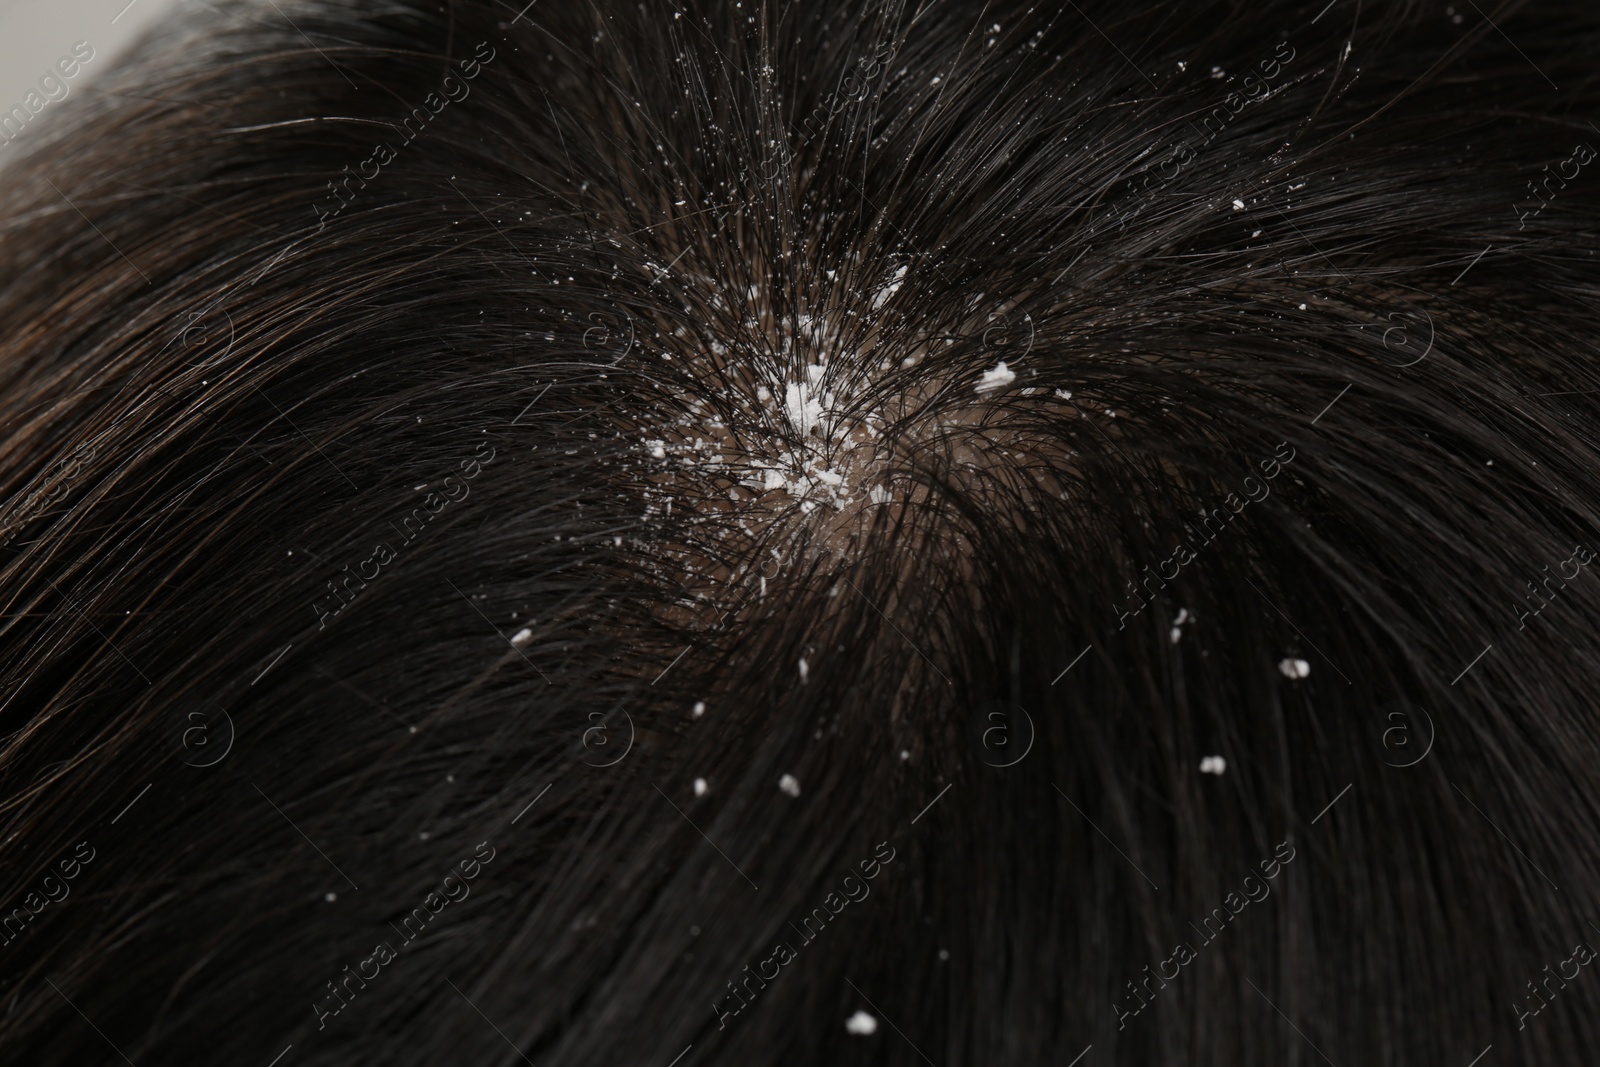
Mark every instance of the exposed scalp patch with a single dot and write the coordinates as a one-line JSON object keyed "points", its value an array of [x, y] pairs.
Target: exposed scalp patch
{"points": [[803, 431]]}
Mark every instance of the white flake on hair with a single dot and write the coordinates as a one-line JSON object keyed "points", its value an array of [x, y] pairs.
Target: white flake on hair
{"points": [[700, 787], [861, 1023], [1213, 765], [521, 637], [1294, 668], [789, 784], [893, 287], [805, 669], [996, 379]]}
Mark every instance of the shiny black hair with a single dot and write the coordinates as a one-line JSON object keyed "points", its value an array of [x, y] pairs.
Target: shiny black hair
{"points": [[736, 532]]}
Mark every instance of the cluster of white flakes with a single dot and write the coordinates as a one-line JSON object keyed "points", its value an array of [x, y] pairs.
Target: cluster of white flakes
{"points": [[818, 436], [861, 1024], [1294, 668], [807, 450], [803, 430], [1213, 765], [811, 412], [790, 785], [881, 297], [996, 379]]}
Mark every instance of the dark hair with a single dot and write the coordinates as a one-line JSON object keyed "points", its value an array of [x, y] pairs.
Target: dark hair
{"points": [[570, 534]]}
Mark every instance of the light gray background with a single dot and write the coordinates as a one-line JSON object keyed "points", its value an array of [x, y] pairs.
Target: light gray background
{"points": [[35, 33]]}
